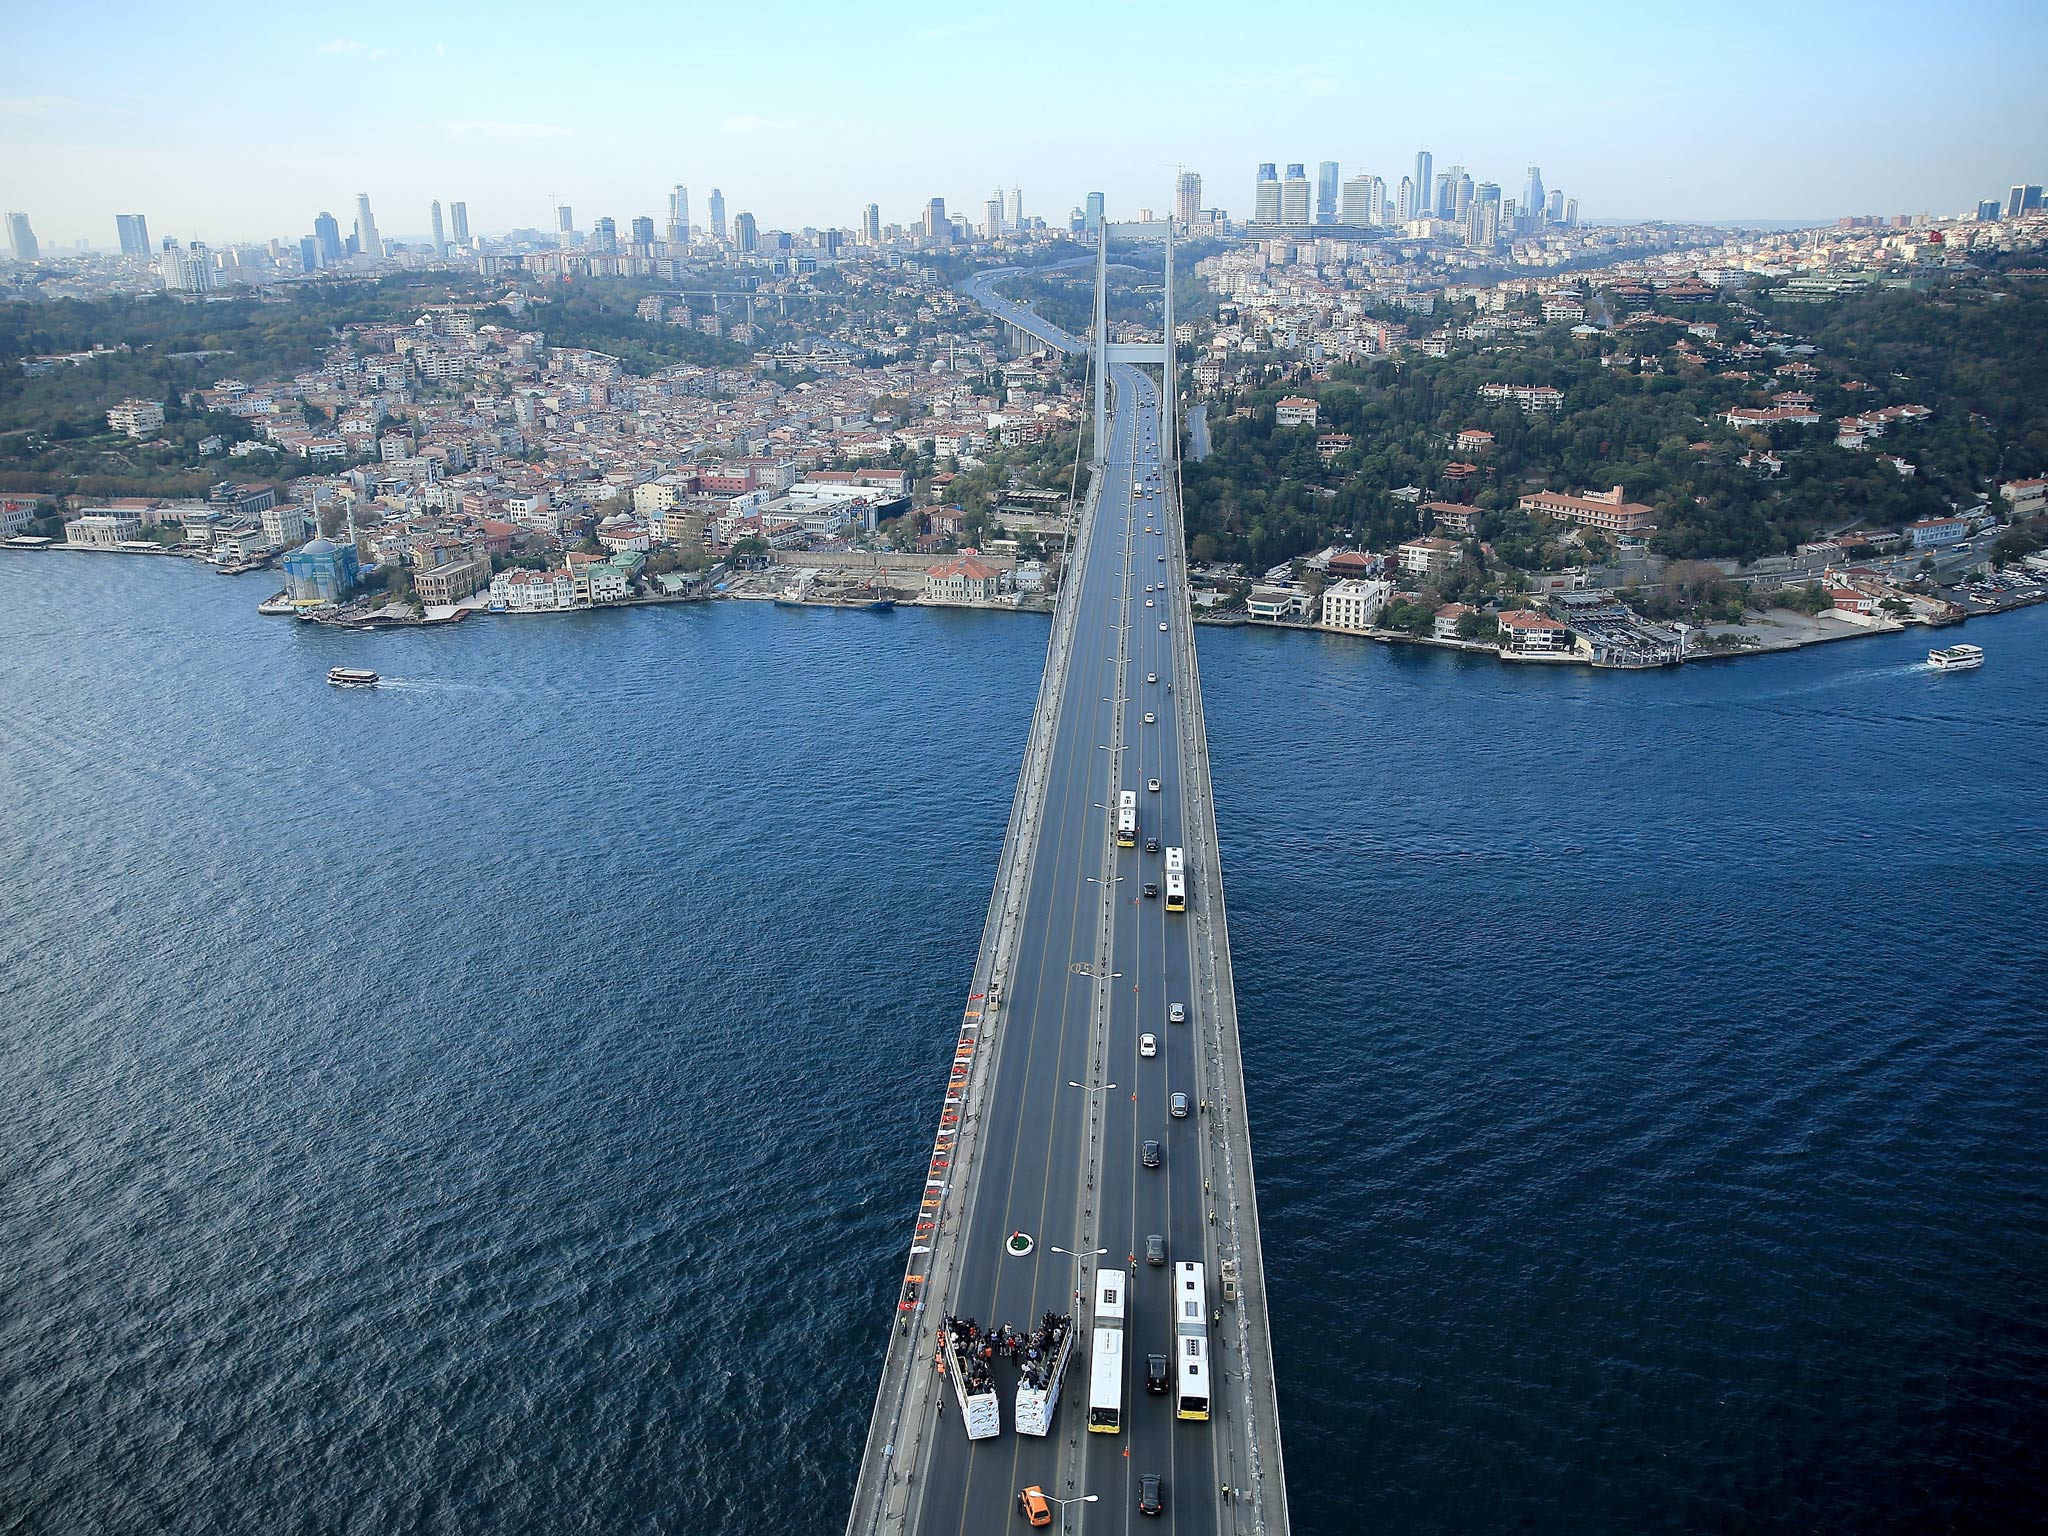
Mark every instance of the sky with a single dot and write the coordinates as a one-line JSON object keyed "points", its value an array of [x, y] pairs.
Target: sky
{"points": [[242, 125]]}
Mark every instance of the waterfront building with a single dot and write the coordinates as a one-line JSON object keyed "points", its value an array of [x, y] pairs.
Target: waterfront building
{"points": [[102, 530], [1353, 606], [523, 591], [283, 525], [321, 571], [1533, 634], [965, 580], [1429, 556]]}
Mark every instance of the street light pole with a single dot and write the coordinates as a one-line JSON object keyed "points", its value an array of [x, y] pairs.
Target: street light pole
{"points": [[1085, 1498]]}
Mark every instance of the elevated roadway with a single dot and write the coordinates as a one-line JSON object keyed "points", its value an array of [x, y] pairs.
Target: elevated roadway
{"points": [[1050, 1100]]}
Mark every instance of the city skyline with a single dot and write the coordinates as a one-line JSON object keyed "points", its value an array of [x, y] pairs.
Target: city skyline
{"points": [[507, 123]]}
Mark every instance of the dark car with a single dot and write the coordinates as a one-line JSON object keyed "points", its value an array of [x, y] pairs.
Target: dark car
{"points": [[1155, 1249], [1151, 1494], [1177, 1106], [1151, 845], [1151, 889], [1150, 1156], [1155, 1375]]}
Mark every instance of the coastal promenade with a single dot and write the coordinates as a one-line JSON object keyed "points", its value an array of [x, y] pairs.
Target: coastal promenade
{"points": [[1035, 1174]]}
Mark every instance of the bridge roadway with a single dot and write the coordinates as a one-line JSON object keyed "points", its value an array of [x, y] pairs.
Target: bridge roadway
{"points": [[1092, 965]]}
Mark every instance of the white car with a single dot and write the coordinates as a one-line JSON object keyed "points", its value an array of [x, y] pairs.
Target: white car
{"points": [[1147, 1046], [1176, 1013], [1148, 719], [1150, 604], [1162, 627], [1153, 785], [1151, 677], [1162, 557]]}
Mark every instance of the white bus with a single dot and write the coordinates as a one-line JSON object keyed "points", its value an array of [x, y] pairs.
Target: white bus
{"points": [[1106, 1357], [1176, 881], [1190, 1342], [1127, 819]]}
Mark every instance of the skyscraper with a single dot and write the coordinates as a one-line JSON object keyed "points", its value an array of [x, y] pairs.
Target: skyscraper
{"points": [[1533, 200], [1092, 220], [1482, 224], [604, 236], [643, 231], [1294, 194], [309, 255], [871, 224], [1376, 201], [327, 239], [992, 216], [1356, 205], [1013, 217], [1326, 192], [367, 238], [1404, 201], [745, 233], [1461, 201], [134, 230], [1187, 199], [936, 225], [565, 225], [1266, 195], [1553, 207], [2021, 199], [21, 239], [717, 214], [440, 236], [458, 213], [1425, 182], [679, 215], [1571, 213]]}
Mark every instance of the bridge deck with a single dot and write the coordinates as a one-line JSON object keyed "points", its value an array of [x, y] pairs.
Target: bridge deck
{"points": [[1050, 1100]]}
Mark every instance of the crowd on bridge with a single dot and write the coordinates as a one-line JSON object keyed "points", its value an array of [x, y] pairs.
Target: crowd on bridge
{"points": [[1033, 1353]]}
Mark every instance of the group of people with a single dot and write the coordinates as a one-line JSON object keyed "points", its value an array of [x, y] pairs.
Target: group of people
{"points": [[1032, 1353]]}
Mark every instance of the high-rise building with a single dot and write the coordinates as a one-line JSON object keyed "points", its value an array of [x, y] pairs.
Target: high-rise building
{"points": [[1187, 199], [1013, 216], [746, 234], [21, 240], [1091, 219], [1294, 195], [1376, 201], [1482, 224], [134, 232], [2021, 199], [871, 224], [1355, 207], [367, 239], [189, 270], [604, 236], [1553, 206], [1461, 200], [458, 214], [1987, 210], [327, 239], [992, 216], [309, 255], [1425, 183], [1266, 195], [643, 231], [1326, 192], [440, 235], [935, 225], [1404, 201], [1571, 213], [1533, 199], [565, 226], [717, 214], [678, 231]]}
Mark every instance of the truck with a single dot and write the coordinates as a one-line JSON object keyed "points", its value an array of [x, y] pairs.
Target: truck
{"points": [[1038, 1387]]}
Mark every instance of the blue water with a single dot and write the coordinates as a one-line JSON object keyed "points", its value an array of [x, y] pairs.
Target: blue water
{"points": [[490, 1103]]}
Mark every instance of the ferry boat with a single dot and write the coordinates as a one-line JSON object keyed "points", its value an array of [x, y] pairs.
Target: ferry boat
{"points": [[352, 677], [1956, 658]]}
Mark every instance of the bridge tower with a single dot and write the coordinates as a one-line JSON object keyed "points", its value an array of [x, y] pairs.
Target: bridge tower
{"points": [[1148, 354]]}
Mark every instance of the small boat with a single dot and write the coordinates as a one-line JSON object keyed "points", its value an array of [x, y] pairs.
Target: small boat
{"points": [[352, 677], [882, 605], [274, 606], [1956, 658]]}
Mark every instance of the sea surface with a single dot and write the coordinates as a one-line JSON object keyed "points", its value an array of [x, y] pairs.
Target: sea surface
{"points": [[490, 1103]]}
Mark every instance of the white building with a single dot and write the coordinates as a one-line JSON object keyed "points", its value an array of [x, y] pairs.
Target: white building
{"points": [[524, 591], [285, 526], [1354, 606], [138, 418], [102, 530]]}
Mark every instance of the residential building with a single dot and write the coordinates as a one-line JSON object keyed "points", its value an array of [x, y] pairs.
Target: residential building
{"points": [[1429, 555], [1266, 195], [440, 585], [137, 418], [1295, 411], [284, 526], [1524, 634], [1444, 623], [1294, 196], [1604, 510], [523, 591], [1187, 199], [1932, 532], [2027, 498], [1354, 606]]}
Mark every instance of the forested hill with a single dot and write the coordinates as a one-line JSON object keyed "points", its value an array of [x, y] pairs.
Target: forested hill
{"points": [[1641, 409]]}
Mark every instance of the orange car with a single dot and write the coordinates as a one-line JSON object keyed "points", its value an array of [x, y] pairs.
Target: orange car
{"points": [[1033, 1505]]}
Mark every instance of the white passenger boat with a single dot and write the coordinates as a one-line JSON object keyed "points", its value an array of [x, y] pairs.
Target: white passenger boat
{"points": [[1956, 658], [352, 677]]}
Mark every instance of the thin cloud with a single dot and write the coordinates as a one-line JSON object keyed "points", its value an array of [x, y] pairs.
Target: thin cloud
{"points": [[475, 131], [758, 125], [341, 45], [37, 106]]}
